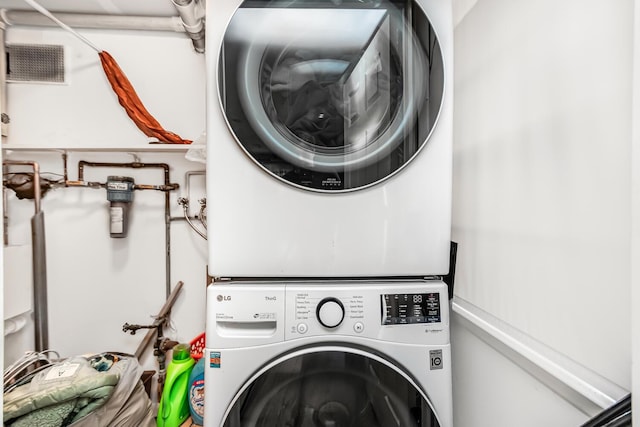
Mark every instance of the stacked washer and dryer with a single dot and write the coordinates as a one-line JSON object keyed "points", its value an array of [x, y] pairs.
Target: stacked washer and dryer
{"points": [[329, 138]]}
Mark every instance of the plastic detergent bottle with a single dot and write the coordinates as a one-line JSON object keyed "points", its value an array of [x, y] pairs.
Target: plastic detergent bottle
{"points": [[196, 393], [174, 406]]}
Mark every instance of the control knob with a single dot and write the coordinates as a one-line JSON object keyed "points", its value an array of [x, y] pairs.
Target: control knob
{"points": [[330, 312]]}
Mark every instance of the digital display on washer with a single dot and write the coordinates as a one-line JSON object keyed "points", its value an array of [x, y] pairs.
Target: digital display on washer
{"points": [[398, 309]]}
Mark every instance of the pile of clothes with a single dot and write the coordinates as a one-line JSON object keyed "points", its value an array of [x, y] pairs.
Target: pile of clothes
{"points": [[83, 391]]}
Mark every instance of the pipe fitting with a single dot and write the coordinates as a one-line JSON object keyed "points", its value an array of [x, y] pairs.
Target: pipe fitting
{"points": [[192, 15]]}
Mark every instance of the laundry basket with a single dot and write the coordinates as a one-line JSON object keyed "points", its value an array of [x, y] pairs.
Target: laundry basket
{"points": [[197, 346]]}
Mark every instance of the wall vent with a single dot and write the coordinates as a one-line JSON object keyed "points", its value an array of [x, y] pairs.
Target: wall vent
{"points": [[35, 63]]}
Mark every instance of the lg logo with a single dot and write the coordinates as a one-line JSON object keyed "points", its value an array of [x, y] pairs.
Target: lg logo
{"points": [[221, 298], [435, 357]]}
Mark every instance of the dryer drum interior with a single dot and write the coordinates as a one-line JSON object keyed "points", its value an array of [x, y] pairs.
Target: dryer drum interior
{"points": [[321, 388], [331, 96]]}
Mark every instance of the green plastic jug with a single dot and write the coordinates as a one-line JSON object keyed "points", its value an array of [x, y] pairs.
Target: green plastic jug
{"points": [[174, 403]]}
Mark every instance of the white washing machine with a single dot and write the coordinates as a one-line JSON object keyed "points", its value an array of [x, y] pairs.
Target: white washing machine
{"points": [[329, 134], [336, 354]]}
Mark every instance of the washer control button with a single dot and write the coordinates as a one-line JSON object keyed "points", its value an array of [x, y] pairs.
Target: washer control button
{"points": [[302, 328], [358, 327], [330, 312]]}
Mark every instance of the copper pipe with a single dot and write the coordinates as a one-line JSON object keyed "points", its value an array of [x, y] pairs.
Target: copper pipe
{"points": [[36, 178], [168, 186]]}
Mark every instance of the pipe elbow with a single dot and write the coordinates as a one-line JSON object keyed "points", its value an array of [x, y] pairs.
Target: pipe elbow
{"points": [[192, 16]]}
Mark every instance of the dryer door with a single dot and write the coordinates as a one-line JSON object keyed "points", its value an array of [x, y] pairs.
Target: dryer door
{"points": [[331, 387], [331, 95]]}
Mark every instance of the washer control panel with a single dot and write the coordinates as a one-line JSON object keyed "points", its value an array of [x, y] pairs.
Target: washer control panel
{"points": [[328, 309], [399, 309], [404, 312], [249, 314]]}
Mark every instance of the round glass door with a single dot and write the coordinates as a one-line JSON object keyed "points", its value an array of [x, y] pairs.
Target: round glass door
{"points": [[328, 387], [331, 95]]}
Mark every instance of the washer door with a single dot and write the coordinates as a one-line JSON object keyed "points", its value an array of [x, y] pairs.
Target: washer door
{"points": [[330, 387], [331, 96]]}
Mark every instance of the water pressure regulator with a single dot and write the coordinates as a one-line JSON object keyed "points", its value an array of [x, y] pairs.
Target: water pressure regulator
{"points": [[120, 194]]}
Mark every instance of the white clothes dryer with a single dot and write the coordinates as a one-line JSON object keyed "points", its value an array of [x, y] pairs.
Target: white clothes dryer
{"points": [[329, 138], [355, 354]]}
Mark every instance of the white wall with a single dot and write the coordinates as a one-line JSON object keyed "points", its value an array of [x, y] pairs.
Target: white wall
{"points": [[541, 194], [84, 112], [96, 283], [542, 178], [635, 220], [490, 390]]}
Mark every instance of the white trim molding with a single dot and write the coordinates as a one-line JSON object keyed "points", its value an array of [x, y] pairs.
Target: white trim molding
{"points": [[580, 386]]}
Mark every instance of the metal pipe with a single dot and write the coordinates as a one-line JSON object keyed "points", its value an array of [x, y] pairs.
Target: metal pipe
{"points": [[167, 234], [184, 201], [94, 21], [40, 305], [130, 165], [4, 116], [202, 216], [39, 262], [65, 174], [187, 179], [164, 311], [185, 209], [36, 179], [192, 16], [167, 215], [190, 21], [5, 215]]}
